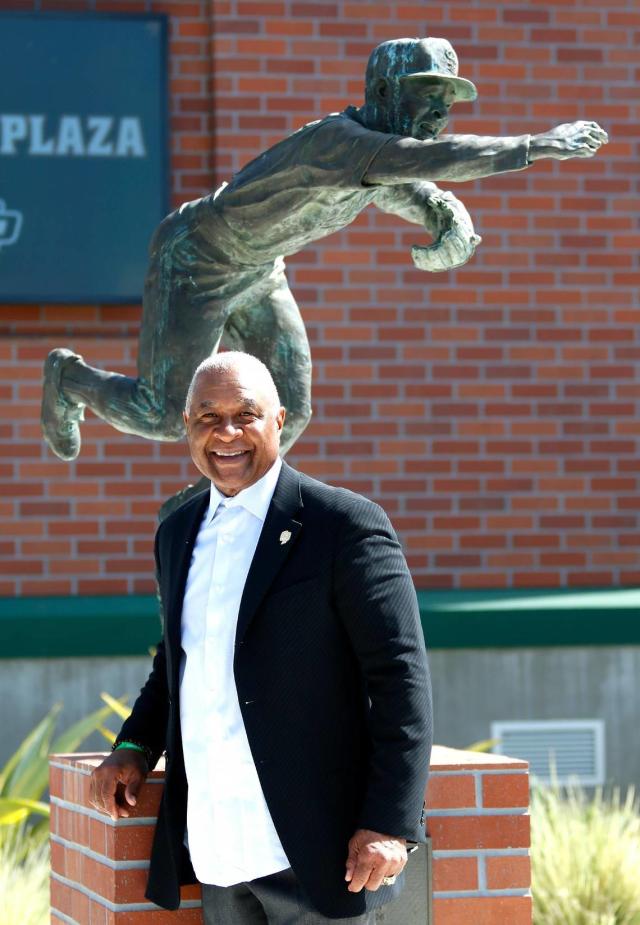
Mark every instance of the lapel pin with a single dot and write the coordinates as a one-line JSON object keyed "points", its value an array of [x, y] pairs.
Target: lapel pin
{"points": [[285, 536]]}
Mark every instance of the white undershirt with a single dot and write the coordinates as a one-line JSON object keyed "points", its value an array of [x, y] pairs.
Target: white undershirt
{"points": [[231, 836]]}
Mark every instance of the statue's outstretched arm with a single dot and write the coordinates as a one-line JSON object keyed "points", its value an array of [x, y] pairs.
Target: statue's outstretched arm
{"points": [[469, 157], [572, 139], [450, 157], [444, 217]]}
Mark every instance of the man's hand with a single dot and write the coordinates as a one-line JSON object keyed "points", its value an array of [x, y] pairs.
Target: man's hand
{"points": [[125, 766], [572, 139], [455, 240], [373, 856]]}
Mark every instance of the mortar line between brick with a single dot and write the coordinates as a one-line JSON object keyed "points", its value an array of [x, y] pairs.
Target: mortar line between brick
{"points": [[480, 894], [477, 780], [480, 771], [119, 907], [482, 874], [475, 811], [63, 917], [101, 858], [476, 852], [69, 767], [102, 817]]}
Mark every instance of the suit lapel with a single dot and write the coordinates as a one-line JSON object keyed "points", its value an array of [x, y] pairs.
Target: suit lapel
{"points": [[279, 533]]}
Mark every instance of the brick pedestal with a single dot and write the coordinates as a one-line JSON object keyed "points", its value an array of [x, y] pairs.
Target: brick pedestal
{"points": [[477, 821], [99, 867], [479, 826]]}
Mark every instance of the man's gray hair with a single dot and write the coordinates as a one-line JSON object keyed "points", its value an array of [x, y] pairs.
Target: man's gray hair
{"points": [[233, 361]]}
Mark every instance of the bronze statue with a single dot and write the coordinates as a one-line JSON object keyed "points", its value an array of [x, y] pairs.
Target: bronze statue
{"points": [[216, 264]]}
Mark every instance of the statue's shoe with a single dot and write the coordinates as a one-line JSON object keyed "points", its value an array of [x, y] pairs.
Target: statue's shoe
{"points": [[59, 415]]}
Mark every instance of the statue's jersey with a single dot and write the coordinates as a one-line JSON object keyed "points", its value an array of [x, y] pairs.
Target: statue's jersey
{"points": [[304, 188], [225, 251]]}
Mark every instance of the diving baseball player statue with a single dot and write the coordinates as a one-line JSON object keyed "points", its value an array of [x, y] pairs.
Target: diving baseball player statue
{"points": [[216, 267]]}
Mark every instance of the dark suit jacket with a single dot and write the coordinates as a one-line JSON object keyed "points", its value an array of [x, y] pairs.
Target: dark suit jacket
{"points": [[332, 679]]}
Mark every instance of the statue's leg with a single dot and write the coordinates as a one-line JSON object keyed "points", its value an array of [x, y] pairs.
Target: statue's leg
{"points": [[269, 327], [182, 323], [273, 330]]}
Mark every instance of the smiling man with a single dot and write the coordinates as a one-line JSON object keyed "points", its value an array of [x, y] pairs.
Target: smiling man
{"points": [[290, 690], [233, 420], [216, 265]]}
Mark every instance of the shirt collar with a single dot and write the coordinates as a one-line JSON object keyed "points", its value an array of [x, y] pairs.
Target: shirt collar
{"points": [[255, 499]]}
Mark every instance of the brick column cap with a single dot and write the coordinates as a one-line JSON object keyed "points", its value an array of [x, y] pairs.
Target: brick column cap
{"points": [[455, 759], [87, 761]]}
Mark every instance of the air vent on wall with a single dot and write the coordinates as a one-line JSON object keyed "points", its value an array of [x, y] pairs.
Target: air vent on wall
{"points": [[555, 749]]}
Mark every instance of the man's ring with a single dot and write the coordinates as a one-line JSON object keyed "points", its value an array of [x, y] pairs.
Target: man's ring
{"points": [[387, 881]]}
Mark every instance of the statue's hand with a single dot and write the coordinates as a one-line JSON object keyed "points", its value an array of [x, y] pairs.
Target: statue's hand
{"points": [[455, 240], [572, 139]]}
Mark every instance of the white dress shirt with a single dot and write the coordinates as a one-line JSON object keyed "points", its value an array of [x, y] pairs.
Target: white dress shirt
{"points": [[230, 833]]}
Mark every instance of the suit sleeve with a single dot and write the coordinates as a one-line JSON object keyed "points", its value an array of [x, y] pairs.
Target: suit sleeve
{"points": [[377, 603], [147, 724]]}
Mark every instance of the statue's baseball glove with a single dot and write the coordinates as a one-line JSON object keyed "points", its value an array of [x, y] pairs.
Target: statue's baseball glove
{"points": [[455, 240]]}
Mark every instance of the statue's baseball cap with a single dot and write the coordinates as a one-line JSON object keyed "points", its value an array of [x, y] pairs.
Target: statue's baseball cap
{"points": [[429, 58]]}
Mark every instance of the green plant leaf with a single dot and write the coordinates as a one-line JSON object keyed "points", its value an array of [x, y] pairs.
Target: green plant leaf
{"points": [[34, 778], [119, 707], [71, 738], [24, 878], [585, 854], [485, 745], [39, 832], [14, 810], [26, 774], [24, 778], [108, 734], [13, 816], [31, 754]]}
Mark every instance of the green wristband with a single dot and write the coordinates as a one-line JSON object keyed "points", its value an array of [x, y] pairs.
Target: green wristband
{"points": [[133, 745]]}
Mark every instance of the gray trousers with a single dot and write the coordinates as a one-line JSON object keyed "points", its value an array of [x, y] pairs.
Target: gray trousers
{"points": [[273, 900]]}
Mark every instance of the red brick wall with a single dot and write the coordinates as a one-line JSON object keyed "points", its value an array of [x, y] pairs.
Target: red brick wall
{"points": [[492, 411]]}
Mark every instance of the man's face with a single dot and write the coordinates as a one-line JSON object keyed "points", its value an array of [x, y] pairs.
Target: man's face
{"points": [[421, 107], [233, 429]]}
